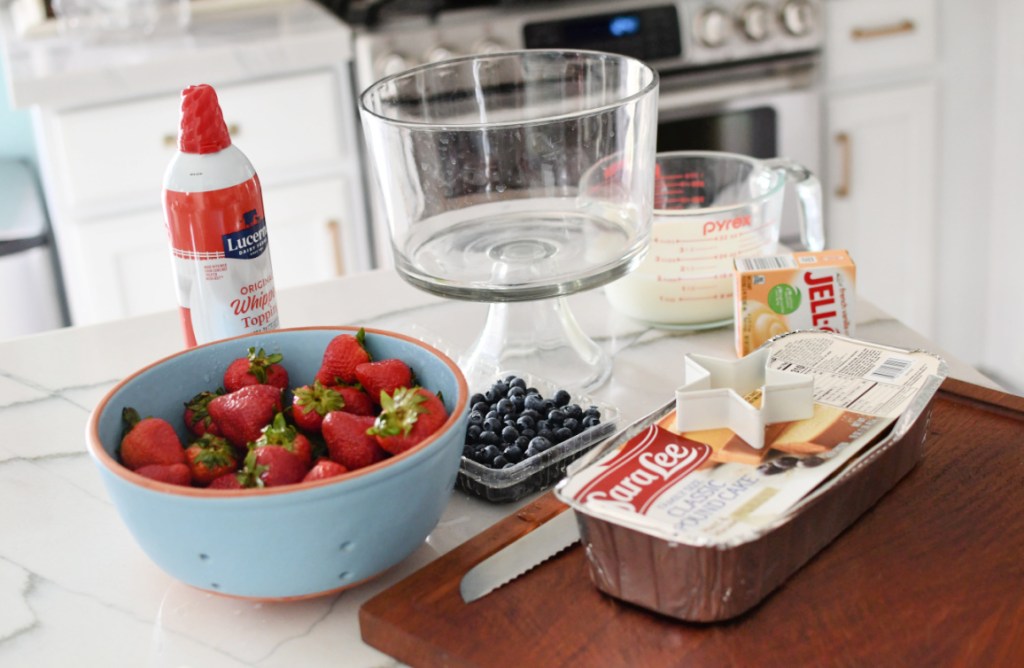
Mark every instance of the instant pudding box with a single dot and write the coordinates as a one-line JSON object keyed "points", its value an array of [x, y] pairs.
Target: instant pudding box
{"points": [[701, 526], [784, 293]]}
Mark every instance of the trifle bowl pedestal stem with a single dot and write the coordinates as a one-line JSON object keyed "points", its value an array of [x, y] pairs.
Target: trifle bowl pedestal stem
{"points": [[538, 338]]}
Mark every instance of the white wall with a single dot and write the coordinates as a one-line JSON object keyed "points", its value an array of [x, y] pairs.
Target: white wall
{"points": [[1003, 329]]}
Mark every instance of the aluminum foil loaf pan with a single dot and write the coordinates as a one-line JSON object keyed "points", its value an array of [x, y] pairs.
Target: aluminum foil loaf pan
{"points": [[701, 527]]}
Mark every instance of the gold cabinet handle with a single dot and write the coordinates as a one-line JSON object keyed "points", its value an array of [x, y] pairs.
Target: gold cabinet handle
{"points": [[845, 158], [171, 138], [334, 230], [898, 28]]}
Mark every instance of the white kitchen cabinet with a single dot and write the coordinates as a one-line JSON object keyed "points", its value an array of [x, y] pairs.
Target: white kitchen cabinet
{"points": [[104, 165], [881, 194], [882, 151], [124, 263]]}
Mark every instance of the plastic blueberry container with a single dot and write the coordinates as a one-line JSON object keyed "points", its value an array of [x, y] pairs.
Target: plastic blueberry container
{"points": [[543, 470]]}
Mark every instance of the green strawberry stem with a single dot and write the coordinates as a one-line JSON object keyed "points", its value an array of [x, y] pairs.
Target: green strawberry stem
{"points": [[398, 412]]}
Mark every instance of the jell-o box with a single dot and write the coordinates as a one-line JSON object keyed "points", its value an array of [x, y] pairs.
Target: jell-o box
{"points": [[782, 293]]}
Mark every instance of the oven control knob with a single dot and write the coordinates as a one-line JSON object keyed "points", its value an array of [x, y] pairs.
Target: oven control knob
{"points": [[438, 53], [392, 63], [755, 19], [712, 27], [798, 17]]}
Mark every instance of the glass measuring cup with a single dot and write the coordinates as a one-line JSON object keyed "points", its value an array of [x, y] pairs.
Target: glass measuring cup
{"points": [[710, 208]]}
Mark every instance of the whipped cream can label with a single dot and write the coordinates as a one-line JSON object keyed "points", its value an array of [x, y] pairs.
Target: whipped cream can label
{"points": [[221, 259]]}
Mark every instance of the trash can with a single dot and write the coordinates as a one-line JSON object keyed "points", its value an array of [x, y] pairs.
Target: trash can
{"points": [[31, 297]]}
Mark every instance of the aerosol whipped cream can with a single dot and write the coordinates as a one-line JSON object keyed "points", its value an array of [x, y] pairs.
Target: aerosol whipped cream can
{"points": [[213, 206]]}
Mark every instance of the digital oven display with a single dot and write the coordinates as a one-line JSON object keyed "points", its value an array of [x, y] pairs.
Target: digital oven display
{"points": [[647, 34]]}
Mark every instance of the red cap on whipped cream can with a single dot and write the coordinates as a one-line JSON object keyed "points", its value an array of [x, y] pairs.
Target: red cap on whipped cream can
{"points": [[213, 207]]}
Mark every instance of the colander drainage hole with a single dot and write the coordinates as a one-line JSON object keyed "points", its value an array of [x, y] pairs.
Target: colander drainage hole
{"points": [[344, 575], [346, 546], [215, 585], [203, 557]]}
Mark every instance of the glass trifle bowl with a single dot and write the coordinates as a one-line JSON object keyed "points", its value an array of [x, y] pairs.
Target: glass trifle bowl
{"points": [[517, 179]]}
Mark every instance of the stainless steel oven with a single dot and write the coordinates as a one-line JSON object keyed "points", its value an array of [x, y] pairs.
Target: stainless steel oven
{"points": [[736, 75]]}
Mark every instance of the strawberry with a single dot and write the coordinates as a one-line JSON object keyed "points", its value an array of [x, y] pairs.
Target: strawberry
{"points": [[176, 474], [227, 481], [256, 368], [341, 357], [347, 440], [356, 400], [210, 457], [150, 440], [197, 417], [283, 434], [407, 417], [241, 415], [323, 469], [383, 376], [310, 403], [271, 466]]}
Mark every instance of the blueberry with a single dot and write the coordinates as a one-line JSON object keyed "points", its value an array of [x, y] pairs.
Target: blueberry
{"points": [[509, 434], [529, 433], [517, 383], [549, 405], [562, 398], [534, 402], [489, 438], [539, 443], [473, 433], [593, 410], [573, 425], [530, 413], [493, 424], [475, 417], [518, 401], [480, 406], [476, 398], [516, 391], [547, 434], [467, 451], [542, 424], [505, 407], [491, 414], [499, 462], [563, 434], [590, 421], [574, 411], [522, 442], [525, 422], [513, 453], [556, 416], [531, 452]]}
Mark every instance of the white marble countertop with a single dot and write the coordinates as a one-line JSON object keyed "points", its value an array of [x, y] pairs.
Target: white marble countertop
{"points": [[76, 590], [237, 43]]}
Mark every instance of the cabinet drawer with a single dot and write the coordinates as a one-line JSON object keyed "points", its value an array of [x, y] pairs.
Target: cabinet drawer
{"points": [[115, 156], [879, 36]]}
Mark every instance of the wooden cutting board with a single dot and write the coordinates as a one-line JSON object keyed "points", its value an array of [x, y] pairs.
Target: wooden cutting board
{"points": [[932, 575]]}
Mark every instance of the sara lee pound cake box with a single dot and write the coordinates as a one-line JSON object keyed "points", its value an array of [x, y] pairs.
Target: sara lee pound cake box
{"points": [[700, 526], [784, 293]]}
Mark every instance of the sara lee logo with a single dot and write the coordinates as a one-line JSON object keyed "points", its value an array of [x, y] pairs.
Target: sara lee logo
{"points": [[248, 242], [717, 226], [646, 467]]}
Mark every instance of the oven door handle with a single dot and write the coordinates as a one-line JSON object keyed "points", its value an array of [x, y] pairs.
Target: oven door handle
{"points": [[672, 97]]}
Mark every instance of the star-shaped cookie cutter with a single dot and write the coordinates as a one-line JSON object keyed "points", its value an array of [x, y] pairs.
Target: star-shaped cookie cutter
{"points": [[712, 395]]}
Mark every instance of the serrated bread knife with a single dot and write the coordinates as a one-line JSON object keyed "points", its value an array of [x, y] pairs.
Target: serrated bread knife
{"points": [[518, 557]]}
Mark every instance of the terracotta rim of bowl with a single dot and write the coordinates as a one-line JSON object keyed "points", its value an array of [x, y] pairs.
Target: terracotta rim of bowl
{"points": [[97, 450]]}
